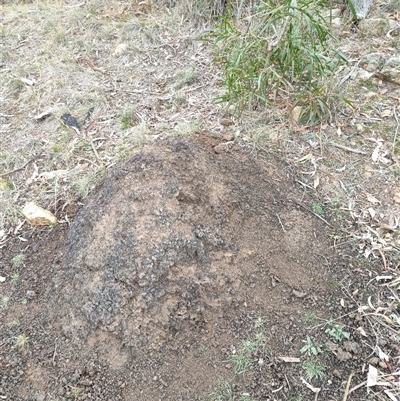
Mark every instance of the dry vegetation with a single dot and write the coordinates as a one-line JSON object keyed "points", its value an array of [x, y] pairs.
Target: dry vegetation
{"points": [[146, 72]]}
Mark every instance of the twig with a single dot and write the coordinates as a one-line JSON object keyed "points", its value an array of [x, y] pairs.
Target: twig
{"points": [[357, 387], [383, 257], [346, 392], [336, 145], [315, 214], [397, 127], [55, 352], [283, 228], [19, 168]]}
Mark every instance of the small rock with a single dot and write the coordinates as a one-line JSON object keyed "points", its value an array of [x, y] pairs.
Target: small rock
{"points": [[337, 373], [30, 294], [374, 361], [220, 148], [226, 122], [299, 294], [228, 137]]}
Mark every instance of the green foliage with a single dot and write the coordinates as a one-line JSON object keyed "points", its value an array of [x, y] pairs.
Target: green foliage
{"points": [[337, 332], [285, 46], [223, 392], [128, 118], [317, 208], [240, 361], [15, 278], [313, 369], [4, 302], [18, 260], [311, 348]]}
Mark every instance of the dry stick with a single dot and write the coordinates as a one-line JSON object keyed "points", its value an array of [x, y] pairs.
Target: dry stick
{"points": [[315, 214], [346, 393], [397, 128], [336, 145], [19, 168], [283, 228], [357, 387], [383, 257]]}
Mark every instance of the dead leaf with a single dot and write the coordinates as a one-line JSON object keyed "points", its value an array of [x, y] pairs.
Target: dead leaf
{"points": [[387, 113], [362, 331], [375, 153], [289, 359], [295, 114], [372, 377], [372, 199], [342, 303], [316, 181], [371, 212]]}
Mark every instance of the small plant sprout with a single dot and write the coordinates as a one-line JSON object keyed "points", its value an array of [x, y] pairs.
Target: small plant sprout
{"points": [[21, 342], [15, 278], [75, 392], [18, 260], [4, 302], [24, 301], [313, 369], [223, 392], [260, 322], [317, 209], [337, 332], [311, 348], [240, 361]]}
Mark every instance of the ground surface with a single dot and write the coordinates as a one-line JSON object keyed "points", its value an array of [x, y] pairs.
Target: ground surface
{"points": [[178, 256], [205, 257]]}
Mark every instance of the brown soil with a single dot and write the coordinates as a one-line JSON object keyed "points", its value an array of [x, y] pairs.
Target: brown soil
{"points": [[163, 272]]}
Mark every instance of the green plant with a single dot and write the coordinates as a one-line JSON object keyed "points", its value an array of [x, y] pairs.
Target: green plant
{"points": [[223, 392], [337, 332], [75, 392], [285, 46], [309, 317], [317, 208], [24, 301], [21, 342], [18, 260], [313, 369], [311, 348], [129, 118], [4, 302], [15, 278], [240, 361], [260, 322]]}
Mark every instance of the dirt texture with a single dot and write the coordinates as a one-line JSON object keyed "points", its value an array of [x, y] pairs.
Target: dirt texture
{"points": [[161, 275]]}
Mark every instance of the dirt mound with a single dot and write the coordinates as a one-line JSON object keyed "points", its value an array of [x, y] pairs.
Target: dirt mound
{"points": [[175, 239]]}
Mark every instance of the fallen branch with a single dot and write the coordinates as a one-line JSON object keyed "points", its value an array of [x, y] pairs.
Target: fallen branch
{"points": [[336, 145]]}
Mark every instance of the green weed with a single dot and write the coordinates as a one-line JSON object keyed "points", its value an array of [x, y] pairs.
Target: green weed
{"points": [[286, 45], [337, 332], [4, 302], [311, 348], [18, 260], [21, 342], [317, 208], [15, 278], [313, 369]]}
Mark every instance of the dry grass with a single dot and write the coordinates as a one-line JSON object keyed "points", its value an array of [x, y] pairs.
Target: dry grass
{"points": [[137, 63], [143, 69]]}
